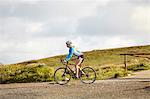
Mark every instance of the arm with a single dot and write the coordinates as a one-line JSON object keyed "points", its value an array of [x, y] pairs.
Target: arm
{"points": [[70, 54]]}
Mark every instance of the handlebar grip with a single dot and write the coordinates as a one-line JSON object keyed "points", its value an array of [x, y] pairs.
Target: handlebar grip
{"points": [[62, 61]]}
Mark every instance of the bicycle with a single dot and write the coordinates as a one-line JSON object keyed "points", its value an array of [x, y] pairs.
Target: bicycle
{"points": [[87, 75]]}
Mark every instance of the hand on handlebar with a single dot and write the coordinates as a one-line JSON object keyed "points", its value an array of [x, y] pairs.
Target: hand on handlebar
{"points": [[64, 61]]}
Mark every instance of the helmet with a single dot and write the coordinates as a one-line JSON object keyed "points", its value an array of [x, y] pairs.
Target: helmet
{"points": [[68, 42]]}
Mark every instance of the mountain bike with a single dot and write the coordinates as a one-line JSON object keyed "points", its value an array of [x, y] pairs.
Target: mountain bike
{"points": [[62, 75]]}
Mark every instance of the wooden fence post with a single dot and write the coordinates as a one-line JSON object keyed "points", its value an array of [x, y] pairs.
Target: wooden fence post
{"points": [[125, 62]]}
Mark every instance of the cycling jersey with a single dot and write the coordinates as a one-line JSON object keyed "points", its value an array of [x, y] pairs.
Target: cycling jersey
{"points": [[73, 51]]}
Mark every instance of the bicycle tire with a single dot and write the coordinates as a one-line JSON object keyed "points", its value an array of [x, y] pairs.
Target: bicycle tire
{"points": [[88, 76], [60, 74]]}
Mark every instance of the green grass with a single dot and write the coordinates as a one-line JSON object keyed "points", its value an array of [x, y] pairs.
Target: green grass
{"points": [[139, 67], [107, 64], [110, 72], [20, 74]]}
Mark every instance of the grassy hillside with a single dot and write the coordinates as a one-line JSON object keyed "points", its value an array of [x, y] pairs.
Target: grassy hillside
{"points": [[107, 63]]}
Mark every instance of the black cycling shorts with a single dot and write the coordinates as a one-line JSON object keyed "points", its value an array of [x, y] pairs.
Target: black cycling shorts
{"points": [[81, 56]]}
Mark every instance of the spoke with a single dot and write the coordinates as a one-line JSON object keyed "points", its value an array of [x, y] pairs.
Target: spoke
{"points": [[61, 77], [88, 75]]}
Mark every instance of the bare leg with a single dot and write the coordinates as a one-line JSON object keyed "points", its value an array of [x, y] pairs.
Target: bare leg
{"points": [[78, 64]]}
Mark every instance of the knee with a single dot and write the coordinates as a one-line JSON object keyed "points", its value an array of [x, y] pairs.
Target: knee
{"points": [[78, 66]]}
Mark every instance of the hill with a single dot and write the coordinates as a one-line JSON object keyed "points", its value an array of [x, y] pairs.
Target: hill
{"points": [[99, 57], [108, 63]]}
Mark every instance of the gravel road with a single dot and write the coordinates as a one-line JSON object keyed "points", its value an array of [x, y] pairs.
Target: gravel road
{"points": [[125, 88]]}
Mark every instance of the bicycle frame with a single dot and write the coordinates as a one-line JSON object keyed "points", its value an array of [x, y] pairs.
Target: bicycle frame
{"points": [[67, 67]]}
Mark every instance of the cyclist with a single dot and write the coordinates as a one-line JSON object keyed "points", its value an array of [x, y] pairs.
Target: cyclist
{"points": [[74, 51]]}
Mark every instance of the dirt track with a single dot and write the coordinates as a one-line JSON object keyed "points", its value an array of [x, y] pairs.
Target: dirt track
{"points": [[127, 88]]}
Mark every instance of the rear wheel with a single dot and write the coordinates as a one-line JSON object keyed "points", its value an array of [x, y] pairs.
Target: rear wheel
{"points": [[88, 75], [62, 76]]}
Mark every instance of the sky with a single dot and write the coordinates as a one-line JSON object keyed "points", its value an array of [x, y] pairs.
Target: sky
{"points": [[34, 29]]}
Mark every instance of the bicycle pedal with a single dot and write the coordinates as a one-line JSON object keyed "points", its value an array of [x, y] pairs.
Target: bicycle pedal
{"points": [[82, 74], [67, 72], [74, 77]]}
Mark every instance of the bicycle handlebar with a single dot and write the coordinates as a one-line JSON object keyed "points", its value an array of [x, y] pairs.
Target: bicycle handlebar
{"points": [[62, 61], [67, 63]]}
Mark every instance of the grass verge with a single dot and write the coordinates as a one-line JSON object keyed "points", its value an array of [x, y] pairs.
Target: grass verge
{"points": [[43, 73], [23, 74]]}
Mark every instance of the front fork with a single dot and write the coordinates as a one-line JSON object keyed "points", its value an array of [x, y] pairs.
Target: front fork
{"points": [[64, 72]]}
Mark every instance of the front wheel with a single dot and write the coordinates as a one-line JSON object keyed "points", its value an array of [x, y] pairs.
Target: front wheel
{"points": [[88, 75], [62, 76]]}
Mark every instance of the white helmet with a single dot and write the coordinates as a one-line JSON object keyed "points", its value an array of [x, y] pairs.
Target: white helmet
{"points": [[69, 43]]}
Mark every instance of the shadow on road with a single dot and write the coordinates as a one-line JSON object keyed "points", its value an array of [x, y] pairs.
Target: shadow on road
{"points": [[147, 88]]}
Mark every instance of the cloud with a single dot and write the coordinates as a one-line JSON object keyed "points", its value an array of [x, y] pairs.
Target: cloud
{"points": [[47, 9], [49, 18], [122, 18], [12, 51], [16, 29], [140, 2], [141, 19]]}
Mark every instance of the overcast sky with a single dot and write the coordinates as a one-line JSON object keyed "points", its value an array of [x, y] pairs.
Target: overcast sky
{"points": [[33, 29]]}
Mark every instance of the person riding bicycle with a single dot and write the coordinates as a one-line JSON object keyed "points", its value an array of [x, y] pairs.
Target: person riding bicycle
{"points": [[74, 51]]}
